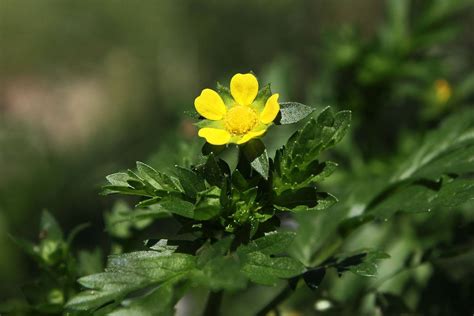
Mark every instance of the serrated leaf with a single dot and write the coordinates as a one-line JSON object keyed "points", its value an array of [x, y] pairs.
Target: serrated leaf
{"points": [[120, 221], [263, 269], [447, 150], [364, 263], [270, 244], [208, 205], [221, 272], [293, 112], [217, 249], [163, 247], [127, 273], [260, 267], [305, 199], [437, 175], [297, 164], [190, 181]]}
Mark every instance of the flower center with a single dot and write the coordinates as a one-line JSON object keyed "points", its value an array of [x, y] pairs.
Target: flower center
{"points": [[240, 119]]}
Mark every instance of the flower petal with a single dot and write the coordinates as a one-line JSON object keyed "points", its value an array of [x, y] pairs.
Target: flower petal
{"points": [[210, 105], [214, 136], [250, 135], [271, 109], [244, 88]]}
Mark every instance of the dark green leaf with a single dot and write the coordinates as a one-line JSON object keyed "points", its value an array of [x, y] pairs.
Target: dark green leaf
{"points": [[296, 163], [177, 206], [190, 181], [256, 153], [314, 277], [305, 199], [208, 205], [363, 263]]}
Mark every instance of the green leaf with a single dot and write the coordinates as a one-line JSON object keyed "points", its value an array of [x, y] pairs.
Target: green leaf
{"points": [[122, 219], [256, 153], [156, 179], [190, 181], [361, 263], [271, 244], [214, 170], [137, 218], [260, 267], [424, 196], [293, 112], [447, 150], [89, 262], [162, 247], [208, 205], [119, 179], [149, 174], [147, 182], [305, 199], [296, 163], [177, 206], [437, 175], [128, 273], [49, 228], [368, 267], [314, 232], [217, 268], [218, 248], [159, 302], [314, 277]]}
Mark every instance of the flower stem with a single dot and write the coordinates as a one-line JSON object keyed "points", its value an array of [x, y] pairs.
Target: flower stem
{"points": [[213, 304]]}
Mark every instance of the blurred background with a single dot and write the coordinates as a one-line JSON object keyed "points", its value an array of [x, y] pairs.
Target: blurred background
{"points": [[88, 88]]}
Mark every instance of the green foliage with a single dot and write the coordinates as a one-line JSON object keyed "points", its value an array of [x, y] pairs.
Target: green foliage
{"points": [[50, 291], [242, 222], [155, 273], [437, 175], [231, 214]]}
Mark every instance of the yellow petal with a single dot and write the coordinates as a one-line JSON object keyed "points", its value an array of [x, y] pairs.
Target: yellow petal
{"points": [[249, 136], [244, 88], [214, 136], [271, 109], [210, 105]]}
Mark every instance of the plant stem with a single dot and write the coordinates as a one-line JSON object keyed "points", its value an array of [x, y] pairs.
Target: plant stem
{"points": [[273, 304], [213, 304]]}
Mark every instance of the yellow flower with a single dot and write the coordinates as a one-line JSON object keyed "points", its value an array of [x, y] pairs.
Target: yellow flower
{"points": [[442, 90], [238, 115]]}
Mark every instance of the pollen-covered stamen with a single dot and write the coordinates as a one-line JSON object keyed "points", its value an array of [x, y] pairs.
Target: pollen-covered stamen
{"points": [[240, 119]]}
